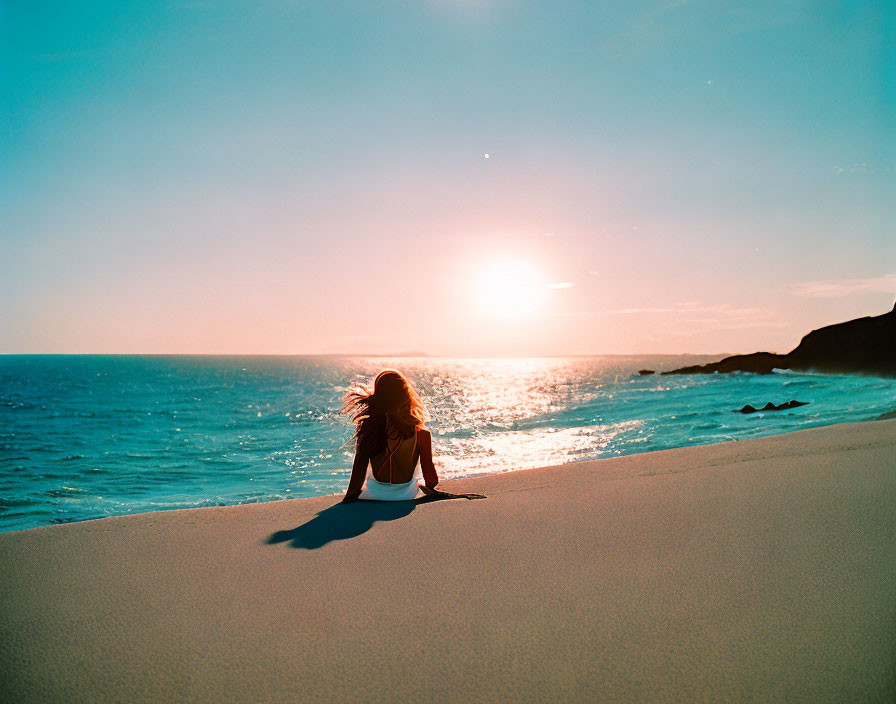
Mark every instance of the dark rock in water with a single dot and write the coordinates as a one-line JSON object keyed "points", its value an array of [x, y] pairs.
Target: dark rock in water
{"points": [[791, 404], [772, 407], [860, 346], [646, 372]]}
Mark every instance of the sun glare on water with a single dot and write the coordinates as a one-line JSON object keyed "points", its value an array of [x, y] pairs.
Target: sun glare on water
{"points": [[510, 289]]}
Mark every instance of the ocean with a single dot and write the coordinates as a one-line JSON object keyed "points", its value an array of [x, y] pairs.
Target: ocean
{"points": [[87, 436]]}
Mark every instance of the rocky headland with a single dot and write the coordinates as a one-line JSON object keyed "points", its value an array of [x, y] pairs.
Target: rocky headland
{"points": [[861, 346]]}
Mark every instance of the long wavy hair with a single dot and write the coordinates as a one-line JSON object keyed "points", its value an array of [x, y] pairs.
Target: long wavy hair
{"points": [[391, 406]]}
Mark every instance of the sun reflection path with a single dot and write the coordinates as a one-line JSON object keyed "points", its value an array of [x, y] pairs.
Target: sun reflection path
{"points": [[505, 414], [498, 415], [508, 452], [494, 394]]}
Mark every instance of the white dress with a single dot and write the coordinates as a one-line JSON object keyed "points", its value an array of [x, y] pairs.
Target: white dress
{"points": [[378, 491]]}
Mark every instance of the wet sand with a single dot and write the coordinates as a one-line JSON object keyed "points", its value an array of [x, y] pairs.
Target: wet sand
{"points": [[759, 570]]}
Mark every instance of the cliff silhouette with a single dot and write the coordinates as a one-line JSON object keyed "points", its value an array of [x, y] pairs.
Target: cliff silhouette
{"points": [[861, 346]]}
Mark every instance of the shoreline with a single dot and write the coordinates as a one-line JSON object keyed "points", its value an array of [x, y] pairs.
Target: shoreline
{"points": [[464, 478], [97, 438], [760, 569]]}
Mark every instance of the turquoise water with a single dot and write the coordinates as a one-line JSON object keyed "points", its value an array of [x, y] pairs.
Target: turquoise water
{"points": [[90, 436]]}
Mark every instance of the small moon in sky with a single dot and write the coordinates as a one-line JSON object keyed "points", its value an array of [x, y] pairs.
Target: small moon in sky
{"points": [[486, 155]]}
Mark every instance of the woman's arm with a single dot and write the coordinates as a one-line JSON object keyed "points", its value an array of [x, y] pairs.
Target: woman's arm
{"points": [[359, 473], [424, 442]]}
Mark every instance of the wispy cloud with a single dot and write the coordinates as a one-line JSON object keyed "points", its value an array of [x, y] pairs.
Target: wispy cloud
{"points": [[735, 324], [860, 168], [874, 166], [839, 288], [720, 312], [637, 311]]}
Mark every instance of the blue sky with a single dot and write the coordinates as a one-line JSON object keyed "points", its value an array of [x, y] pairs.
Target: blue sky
{"points": [[310, 177]]}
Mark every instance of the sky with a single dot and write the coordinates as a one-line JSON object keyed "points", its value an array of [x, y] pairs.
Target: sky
{"points": [[294, 177]]}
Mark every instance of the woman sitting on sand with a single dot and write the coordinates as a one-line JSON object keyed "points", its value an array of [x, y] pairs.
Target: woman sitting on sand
{"points": [[391, 437]]}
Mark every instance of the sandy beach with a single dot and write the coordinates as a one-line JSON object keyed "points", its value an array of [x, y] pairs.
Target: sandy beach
{"points": [[759, 570]]}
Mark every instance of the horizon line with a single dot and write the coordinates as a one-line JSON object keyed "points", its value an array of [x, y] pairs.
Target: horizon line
{"points": [[415, 355]]}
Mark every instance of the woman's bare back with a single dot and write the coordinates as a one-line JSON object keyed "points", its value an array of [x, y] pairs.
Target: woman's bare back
{"points": [[397, 462]]}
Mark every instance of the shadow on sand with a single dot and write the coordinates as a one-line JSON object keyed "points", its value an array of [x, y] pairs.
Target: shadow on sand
{"points": [[344, 521]]}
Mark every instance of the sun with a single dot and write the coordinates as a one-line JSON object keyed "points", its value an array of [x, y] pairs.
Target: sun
{"points": [[510, 289]]}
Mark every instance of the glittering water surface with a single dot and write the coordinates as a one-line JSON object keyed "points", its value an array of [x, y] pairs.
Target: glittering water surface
{"points": [[90, 436]]}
